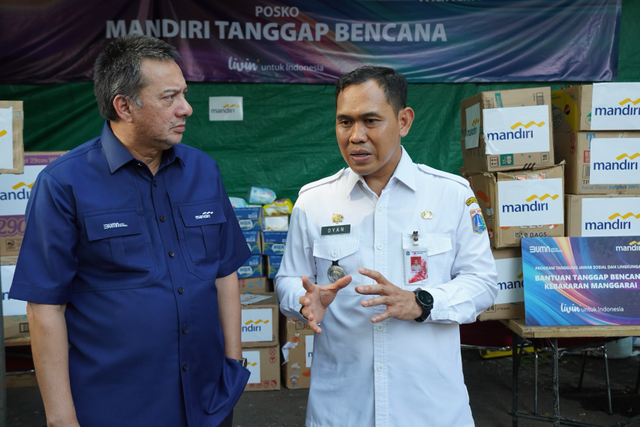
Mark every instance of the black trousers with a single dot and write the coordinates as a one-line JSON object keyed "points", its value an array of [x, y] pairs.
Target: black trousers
{"points": [[228, 422]]}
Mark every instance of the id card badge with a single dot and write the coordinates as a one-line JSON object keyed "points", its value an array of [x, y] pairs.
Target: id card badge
{"points": [[414, 252]]}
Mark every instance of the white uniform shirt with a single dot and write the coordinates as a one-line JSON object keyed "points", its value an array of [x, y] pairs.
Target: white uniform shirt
{"points": [[394, 373]]}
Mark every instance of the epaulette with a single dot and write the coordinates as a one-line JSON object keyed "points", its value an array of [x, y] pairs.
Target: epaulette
{"points": [[322, 181], [443, 174]]}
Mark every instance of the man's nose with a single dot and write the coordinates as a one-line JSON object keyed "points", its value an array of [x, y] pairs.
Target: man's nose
{"points": [[185, 109], [358, 133]]}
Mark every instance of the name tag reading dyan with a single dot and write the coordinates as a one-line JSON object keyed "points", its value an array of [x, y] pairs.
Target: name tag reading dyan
{"points": [[337, 229]]}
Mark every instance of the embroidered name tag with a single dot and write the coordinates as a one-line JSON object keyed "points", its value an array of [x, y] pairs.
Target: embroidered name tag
{"points": [[335, 229]]}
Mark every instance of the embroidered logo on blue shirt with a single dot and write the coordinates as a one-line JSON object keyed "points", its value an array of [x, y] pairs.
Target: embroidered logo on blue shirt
{"points": [[204, 215], [114, 225]]}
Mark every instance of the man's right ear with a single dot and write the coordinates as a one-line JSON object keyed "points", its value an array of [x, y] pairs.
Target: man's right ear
{"points": [[123, 105]]}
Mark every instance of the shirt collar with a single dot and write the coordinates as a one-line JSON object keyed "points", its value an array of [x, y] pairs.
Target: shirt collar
{"points": [[117, 154], [404, 173]]}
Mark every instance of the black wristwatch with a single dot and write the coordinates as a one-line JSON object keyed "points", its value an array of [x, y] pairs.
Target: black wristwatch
{"points": [[424, 300], [242, 362]]}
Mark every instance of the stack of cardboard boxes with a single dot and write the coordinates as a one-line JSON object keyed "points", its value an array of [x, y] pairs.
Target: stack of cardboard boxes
{"points": [[597, 134], [260, 343], [507, 146]]}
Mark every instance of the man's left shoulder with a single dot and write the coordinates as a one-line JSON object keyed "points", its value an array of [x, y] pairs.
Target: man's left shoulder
{"points": [[454, 180]]}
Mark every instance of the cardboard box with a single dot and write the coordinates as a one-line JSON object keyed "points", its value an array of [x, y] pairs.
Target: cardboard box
{"points": [[273, 265], [254, 285], [254, 241], [276, 223], [273, 242], [297, 353], [572, 108], [509, 303], [14, 195], [11, 137], [604, 106], [249, 218], [14, 311], [602, 215], [251, 268], [575, 149], [507, 130], [259, 320], [521, 204], [264, 365]]}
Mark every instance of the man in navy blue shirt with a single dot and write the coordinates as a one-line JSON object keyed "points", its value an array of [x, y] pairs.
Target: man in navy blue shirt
{"points": [[129, 262]]}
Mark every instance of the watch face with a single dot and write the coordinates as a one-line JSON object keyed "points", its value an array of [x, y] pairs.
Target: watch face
{"points": [[425, 298]]}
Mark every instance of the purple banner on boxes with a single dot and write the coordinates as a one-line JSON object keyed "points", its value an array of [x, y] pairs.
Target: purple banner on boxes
{"points": [[316, 41], [581, 280]]}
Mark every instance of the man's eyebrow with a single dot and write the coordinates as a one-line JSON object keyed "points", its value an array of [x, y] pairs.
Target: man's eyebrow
{"points": [[363, 115]]}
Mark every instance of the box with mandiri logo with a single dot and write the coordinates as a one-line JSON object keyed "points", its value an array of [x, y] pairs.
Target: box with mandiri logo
{"points": [[600, 162], [601, 106], [507, 130], [517, 204], [259, 327], [509, 303], [602, 215]]}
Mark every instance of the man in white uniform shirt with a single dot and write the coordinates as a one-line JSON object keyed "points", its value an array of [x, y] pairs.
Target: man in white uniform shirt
{"points": [[387, 344]]}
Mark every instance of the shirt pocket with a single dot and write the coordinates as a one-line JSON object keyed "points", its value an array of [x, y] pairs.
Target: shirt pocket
{"points": [[200, 226], [345, 250], [439, 257], [117, 243]]}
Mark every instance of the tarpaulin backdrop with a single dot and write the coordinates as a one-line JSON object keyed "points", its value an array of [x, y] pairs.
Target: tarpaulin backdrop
{"points": [[316, 41], [287, 138]]}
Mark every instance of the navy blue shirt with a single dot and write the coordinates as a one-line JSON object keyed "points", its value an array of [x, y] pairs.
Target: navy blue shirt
{"points": [[135, 258]]}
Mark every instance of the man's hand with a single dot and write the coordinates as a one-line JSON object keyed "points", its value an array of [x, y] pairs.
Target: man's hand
{"points": [[317, 299], [400, 303]]}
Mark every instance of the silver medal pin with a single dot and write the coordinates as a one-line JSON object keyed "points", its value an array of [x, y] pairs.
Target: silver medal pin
{"points": [[335, 272]]}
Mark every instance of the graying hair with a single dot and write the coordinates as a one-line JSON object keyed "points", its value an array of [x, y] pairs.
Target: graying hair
{"points": [[117, 69]]}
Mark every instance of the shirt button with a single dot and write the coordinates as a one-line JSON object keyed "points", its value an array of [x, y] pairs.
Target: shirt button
{"points": [[334, 254], [380, 245], [162, 219], [379, 327], [140, 165], [172, 254], [380, 368], [155, 183], [181, 290], [185, 330], [380, 207], [184, 367]]}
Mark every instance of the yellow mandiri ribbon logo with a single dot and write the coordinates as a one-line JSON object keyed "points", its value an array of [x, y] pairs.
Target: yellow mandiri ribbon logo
{"points": [[257, 322], [623, 155], [625, 216], [22, 184], [546, 196], [627, 100], [528, 125]]}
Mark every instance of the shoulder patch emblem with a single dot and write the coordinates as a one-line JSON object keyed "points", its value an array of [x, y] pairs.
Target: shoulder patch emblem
{"points": [[477, 221], [471, 200]]}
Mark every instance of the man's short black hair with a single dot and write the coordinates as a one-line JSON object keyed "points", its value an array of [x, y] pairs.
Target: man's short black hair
{"points": [[117, 69], [393, 84]]}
